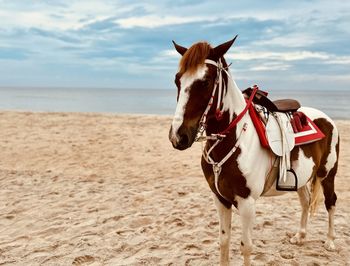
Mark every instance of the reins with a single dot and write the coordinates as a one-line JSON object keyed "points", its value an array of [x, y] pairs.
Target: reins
{"points": [[240, 116]]}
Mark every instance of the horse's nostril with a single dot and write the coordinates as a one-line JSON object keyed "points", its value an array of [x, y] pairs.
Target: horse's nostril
{"points": [[184, 140]]}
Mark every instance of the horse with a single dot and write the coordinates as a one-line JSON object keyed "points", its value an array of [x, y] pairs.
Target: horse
{"points": [[245, 164]]}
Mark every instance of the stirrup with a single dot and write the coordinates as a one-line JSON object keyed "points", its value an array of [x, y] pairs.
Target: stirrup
{"points": [[287, 187]]}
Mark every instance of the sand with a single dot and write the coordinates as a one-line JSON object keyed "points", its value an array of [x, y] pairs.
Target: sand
{"points": [[92, 189]]}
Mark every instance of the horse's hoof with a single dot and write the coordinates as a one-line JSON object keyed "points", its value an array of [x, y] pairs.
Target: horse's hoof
{"points": [[329, 245], [298, 239]]}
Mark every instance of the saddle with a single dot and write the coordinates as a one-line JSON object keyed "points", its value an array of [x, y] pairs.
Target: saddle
{"points": [[282, 105], [280, 126]]}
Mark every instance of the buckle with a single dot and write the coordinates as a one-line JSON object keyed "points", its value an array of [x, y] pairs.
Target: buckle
{"points": [[216, 169], [219, 137]]}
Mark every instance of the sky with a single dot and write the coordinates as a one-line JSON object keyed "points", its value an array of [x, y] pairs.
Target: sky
{"points": [[127, 44]]}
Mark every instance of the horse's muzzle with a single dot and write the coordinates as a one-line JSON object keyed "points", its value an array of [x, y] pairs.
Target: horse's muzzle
{"points": [[182, 139]]}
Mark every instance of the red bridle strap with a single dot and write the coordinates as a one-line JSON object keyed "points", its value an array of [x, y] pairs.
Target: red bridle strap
{"points": [[240, 116]]}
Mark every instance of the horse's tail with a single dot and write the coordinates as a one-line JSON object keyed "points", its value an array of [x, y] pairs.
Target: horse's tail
{"points": [[316, 195]]}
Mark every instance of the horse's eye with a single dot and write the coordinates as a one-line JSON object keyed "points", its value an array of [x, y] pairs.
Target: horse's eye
{"points": [[205, 83]]}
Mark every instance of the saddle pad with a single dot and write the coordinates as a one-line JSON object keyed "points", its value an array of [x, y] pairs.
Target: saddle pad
{"points": [[309, 134]]}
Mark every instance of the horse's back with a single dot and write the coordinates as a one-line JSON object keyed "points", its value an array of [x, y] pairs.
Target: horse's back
{"points": [[313, 114]]}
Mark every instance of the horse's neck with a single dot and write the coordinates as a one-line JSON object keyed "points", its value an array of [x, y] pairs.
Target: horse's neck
{"points": [[233, 102]]}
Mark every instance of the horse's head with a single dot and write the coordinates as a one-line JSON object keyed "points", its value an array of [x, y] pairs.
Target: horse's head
{"points": [[195, 83]]}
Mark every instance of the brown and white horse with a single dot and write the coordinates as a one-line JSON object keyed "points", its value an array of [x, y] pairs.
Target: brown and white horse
{"points": [[244, 173]]}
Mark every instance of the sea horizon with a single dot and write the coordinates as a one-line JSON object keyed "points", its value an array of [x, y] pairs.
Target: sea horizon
{"points": [[156, 101]]}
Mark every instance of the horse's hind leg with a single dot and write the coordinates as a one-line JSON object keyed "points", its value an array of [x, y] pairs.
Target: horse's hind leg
{"points": [[225, 216], [330, 200], [304, 198]]}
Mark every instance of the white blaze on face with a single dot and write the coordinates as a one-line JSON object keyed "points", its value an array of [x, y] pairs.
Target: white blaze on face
{"points": [[186, 83]]}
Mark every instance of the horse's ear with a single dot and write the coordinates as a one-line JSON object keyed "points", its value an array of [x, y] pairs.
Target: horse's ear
{"points": [[181, 50], [221, 49]]}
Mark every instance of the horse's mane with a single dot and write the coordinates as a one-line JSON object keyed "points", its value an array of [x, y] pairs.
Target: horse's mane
{"points": [[194, 56]]}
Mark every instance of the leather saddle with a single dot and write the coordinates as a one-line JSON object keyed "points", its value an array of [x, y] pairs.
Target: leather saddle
{"points": [[283, 105]]}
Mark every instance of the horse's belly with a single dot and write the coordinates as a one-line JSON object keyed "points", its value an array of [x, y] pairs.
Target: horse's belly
{"points": [[273, 192]]}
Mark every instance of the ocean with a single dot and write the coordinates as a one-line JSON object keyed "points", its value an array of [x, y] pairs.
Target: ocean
{"points": [[145, 101]]}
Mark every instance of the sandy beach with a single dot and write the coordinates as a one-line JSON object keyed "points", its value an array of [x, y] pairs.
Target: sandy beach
{"points": [[93, 189]]}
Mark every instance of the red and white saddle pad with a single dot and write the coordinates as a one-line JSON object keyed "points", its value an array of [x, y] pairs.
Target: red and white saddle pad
{"points": [[307, 134]]}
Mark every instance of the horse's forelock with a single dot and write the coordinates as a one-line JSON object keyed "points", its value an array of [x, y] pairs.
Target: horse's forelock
{"points": [[194, 57]]}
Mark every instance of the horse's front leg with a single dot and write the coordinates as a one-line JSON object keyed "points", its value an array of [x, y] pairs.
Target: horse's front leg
{"points": [[246, 209], [225, 216]]}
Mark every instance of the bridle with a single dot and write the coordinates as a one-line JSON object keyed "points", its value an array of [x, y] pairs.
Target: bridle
{"points": [[220, 86], [218, 137]]}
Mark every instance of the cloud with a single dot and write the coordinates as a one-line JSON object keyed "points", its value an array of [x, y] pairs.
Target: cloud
{"points": [[37, 19], [280, 56], [123, 43], [270, 66], [153, 21]]}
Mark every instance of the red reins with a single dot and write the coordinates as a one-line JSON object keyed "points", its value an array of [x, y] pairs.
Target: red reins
{"points": [[241, 114]]}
